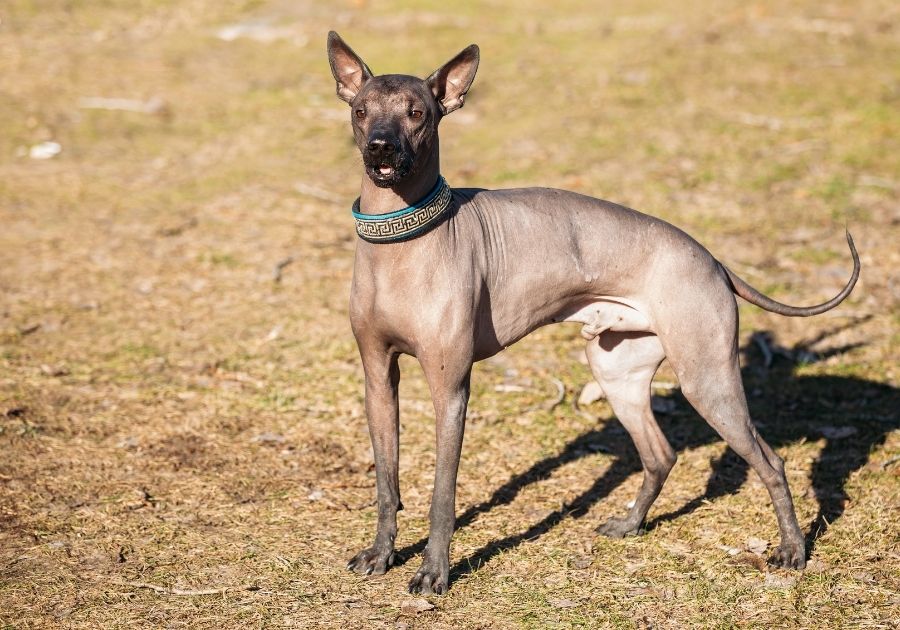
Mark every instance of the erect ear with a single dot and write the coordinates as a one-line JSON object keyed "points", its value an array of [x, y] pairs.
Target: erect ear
{"points": [[348, 69], [450, 82]]}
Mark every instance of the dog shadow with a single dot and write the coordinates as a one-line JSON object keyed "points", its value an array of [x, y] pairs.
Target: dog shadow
{"points": [[852, 415]]}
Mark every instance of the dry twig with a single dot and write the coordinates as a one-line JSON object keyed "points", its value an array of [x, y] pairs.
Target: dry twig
{"points": [[560, 395], [189, 592], [318, 193], [279, 268]]}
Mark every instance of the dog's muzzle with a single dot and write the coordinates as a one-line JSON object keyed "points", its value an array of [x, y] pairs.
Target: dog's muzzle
{"points": [[386, 162]]}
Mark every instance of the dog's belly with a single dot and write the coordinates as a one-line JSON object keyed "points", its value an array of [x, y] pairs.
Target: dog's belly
{"points": [[597, 313], [608, 313]]}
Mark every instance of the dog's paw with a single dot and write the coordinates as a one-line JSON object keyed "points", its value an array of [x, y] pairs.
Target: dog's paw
{"points": [[789, 556], [371, 561], [431, 578], [617, 527]]}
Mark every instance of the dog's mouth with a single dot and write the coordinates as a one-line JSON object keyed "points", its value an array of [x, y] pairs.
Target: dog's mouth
{"points": [[384, 171], [386, 174]]}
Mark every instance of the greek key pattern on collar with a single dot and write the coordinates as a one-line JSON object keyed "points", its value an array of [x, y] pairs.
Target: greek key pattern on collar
{"points": [[407, 225]]}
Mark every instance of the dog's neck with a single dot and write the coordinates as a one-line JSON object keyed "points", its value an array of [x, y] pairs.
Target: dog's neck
{"points": [[376, 200]]}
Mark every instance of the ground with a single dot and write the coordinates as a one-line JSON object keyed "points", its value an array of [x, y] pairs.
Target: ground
{"points": [[181, 401]]}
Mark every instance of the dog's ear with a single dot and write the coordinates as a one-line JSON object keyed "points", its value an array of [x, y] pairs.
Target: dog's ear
{"points": [[450, 82], [348, 69]]}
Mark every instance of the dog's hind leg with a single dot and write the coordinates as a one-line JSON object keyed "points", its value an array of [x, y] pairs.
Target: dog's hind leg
{"points": [[714, 388], [624, 364]]}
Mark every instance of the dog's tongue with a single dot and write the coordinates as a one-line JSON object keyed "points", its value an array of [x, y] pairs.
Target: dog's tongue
{"points": [[384, 169]]}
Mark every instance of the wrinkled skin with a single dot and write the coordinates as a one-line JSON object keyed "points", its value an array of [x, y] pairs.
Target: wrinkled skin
{"points": [[506, 262]]}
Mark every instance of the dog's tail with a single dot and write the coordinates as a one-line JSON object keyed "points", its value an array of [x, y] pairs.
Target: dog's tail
{"points": [[753, 296]]}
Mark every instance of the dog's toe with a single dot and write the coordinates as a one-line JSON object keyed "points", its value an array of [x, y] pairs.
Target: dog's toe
{"points": [[429, 580], [618, 528], [371, 561], [789, 556]]}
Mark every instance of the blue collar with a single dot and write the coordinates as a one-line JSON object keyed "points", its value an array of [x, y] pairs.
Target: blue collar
{"points": [[402, 225]]}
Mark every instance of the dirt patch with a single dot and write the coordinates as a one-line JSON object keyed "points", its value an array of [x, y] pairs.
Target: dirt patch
{"points": [[183, 450]]}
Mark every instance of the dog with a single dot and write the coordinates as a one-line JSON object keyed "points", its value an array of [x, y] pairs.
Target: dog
{"points": [[455, 275]]}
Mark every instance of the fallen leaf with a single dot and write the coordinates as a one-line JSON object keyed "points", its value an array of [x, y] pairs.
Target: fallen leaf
{"points": [[773, 580], [676, 548], [731, 551], [814, 565], [582, 562], [128, 442], [415, 606], [751, 560], [58, 369], [757, 545]]}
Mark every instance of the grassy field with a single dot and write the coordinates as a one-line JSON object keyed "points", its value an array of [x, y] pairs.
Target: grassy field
{"points": [[181, 402]]}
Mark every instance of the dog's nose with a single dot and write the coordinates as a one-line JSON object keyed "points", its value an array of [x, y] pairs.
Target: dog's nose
{"points": [[381, 146]]}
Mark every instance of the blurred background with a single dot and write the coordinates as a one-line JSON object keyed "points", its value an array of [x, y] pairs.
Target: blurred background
{"points": [[180, 395]]}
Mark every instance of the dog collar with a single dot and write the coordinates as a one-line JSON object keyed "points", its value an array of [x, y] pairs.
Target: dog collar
{"points": [[402, 225]]}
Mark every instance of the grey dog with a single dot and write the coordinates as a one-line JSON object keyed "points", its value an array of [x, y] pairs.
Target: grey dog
{"points": [[454, 276]]}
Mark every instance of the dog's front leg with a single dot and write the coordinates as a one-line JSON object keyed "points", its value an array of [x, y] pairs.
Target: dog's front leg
{"points": [[382, 381], [450, 393]]}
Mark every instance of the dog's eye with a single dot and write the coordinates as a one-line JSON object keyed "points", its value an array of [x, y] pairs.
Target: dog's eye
{"points": [[360, 113], [416, 113]]}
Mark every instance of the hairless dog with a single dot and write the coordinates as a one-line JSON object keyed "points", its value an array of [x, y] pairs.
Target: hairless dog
{"points": [[454, 276]]}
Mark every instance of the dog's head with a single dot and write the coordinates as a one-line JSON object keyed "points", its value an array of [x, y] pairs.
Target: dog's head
{"points": [[395, 117]]}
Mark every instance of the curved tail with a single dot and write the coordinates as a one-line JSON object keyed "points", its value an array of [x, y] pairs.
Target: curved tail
{"points": [[753, 296]]}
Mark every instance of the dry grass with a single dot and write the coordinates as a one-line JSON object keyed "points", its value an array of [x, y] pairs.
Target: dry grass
{"points": [[170, 415]]}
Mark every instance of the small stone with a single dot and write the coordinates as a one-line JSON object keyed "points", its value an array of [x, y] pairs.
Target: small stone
{"points": [[315, 495], [44, 150]]}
